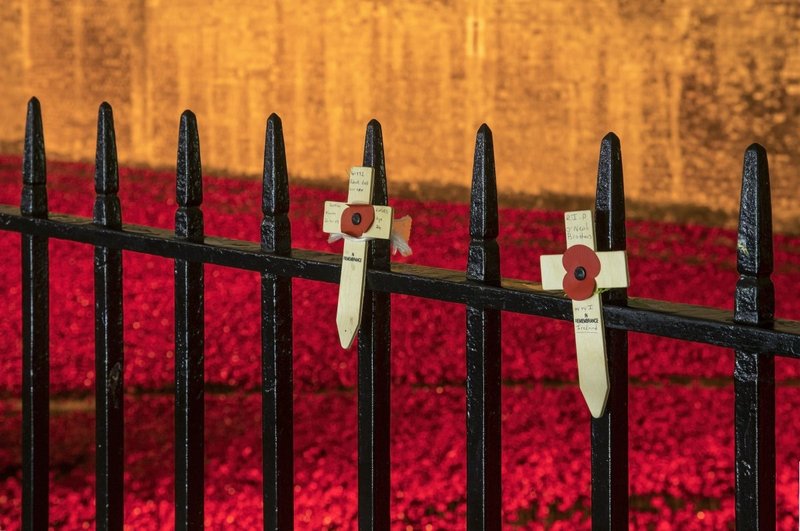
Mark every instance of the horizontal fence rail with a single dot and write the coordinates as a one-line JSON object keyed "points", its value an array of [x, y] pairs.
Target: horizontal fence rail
{"points": [[750, 330], [691, 322]]}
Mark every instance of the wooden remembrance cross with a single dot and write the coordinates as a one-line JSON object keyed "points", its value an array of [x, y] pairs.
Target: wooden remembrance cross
{"points": [[581, 272], [360, 222]]}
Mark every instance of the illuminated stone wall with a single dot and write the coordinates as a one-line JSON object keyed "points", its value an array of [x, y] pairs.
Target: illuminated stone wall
{"points": [[687, 85]]}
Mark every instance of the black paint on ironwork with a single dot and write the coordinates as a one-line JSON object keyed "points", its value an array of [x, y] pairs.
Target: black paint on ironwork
{"points": [[189, 332], [35, 330], [688, 322], [750, 330], [754, 373], [610, 432], [275, 227], [108, 330], [276, 338], [374, 376], [34, 171], [484, 500]]}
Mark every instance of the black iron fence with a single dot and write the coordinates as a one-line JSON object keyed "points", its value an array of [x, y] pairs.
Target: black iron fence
{"points": [[750, 329]]}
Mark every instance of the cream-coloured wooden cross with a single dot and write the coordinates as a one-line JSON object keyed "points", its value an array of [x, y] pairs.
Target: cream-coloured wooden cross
{"points": [[359, 222], [581, 271]]}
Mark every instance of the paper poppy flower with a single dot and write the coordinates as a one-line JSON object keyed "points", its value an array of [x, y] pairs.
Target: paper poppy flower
{"points": [[583, 266], [357, 219]]}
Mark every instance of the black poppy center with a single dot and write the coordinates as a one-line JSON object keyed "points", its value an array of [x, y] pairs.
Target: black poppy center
{"points": [[356, 219], [580, 273]]}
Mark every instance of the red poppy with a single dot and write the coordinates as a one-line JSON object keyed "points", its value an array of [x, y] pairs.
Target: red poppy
{"points": [[582, 267], [428, 480], [357, 219]]}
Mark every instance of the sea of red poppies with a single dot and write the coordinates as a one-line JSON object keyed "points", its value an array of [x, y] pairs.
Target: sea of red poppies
{"points": [[681, 396]]}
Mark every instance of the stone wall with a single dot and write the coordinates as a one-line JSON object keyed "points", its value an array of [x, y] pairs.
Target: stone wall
{"points": [[686, 84]]}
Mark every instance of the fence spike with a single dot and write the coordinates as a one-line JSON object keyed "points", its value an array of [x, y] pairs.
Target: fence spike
{"points": [[34, 167], [610, 432], [483, 348], [374, 373], [107, 210], [276, 339], [374, 158], [610, 199], [189, 335], [754, 373], [275, 226], [189, 218], [109, 393], [35, 330], [754, 247], [483, 262]]}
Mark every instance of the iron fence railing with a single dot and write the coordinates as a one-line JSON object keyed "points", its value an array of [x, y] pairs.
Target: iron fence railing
{"points": [[750, 330]]}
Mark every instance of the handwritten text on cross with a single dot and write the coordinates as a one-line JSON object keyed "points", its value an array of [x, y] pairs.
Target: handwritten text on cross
{"points": [[360, 222], [581, 271]]}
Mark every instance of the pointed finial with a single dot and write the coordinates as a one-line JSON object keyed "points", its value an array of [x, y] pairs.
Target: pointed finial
{"points": [[755, 215], [610, 199], [483, 261], [483, 220], [34, 170], [609, 214], [189, 218], [107, 211], [374, 158], [275, 226], [755, 293]]}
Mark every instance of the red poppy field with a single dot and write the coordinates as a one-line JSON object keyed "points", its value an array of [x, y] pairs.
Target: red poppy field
{"points": [[681, 394]]}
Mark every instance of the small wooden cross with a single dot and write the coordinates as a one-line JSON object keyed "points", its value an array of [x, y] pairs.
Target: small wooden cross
{"points": [[359, 222], [580, 272]]}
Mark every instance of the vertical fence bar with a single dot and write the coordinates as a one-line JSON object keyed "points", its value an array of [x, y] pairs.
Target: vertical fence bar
{"points": [[483, 347], [276, 339], [35, 330], [754, 373], [610, 432], [189, 332], [108, 331], [374, 375]]}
